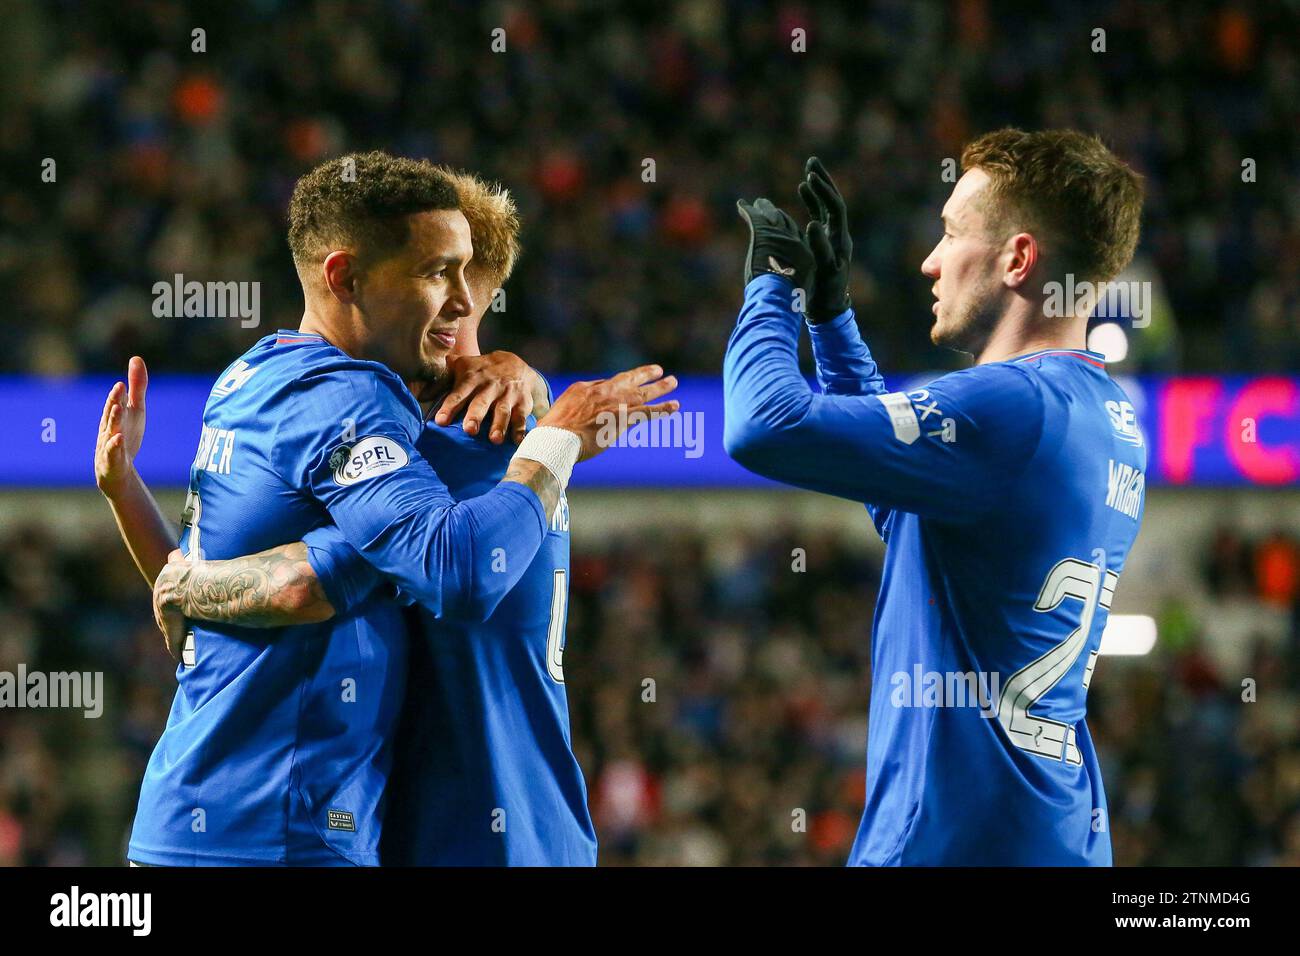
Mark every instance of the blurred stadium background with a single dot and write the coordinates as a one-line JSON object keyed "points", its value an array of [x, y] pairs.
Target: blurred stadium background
{"points": [[174, 161]]}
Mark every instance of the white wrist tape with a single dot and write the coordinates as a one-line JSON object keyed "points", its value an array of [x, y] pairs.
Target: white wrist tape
{"points": [[556, 448]]}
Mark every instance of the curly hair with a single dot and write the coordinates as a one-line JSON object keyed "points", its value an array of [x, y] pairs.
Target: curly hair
{"points": [[360, 202], [1066, 186]]}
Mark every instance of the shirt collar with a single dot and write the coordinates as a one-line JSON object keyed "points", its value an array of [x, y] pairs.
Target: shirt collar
{"points": [[1086, 355]]}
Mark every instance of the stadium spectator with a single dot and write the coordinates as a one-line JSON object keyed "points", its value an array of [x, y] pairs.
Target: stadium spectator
{"points": [[625, 132]]}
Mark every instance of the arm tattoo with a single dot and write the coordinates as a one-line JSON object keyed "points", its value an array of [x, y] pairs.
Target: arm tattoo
{"points": [[535, 475], [271, 589]]}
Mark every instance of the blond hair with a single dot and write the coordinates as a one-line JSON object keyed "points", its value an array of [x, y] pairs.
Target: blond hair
{"points": [[493, 223]]}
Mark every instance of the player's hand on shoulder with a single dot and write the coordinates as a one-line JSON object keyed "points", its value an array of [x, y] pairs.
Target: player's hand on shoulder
{"points": [[496, 390], [599, 411], [121, 429]]}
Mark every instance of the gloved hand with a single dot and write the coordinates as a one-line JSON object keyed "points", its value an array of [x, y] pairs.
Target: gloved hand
{"points": [[828, 240], [775, 244]]}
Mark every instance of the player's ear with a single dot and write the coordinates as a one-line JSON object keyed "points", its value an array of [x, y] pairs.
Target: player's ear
{"points": [[339, 270], [1023, 249]]}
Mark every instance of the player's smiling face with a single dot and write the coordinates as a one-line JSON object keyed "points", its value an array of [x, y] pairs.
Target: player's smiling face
{"points": [[965, 269], [415, 300]]}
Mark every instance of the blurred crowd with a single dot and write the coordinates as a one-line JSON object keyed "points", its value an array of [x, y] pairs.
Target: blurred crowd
{"points": [[627, 132], [718, 688]]}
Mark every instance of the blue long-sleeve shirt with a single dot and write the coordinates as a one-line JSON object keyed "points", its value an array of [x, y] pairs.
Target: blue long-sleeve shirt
{"points": [[1009, 495], [397, 512], [484, 773], [279, 742]]}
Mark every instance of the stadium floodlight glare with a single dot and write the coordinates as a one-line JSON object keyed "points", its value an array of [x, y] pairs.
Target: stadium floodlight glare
{"points": [[1110, 340], [1128, 635]]}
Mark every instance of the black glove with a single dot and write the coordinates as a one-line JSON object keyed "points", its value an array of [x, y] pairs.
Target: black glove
{"points": [[775, 244], [828, 240]]}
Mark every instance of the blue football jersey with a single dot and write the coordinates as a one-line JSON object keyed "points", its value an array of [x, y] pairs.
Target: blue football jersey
{"points": [[485, 773], [1008, 495], [278, 746]]}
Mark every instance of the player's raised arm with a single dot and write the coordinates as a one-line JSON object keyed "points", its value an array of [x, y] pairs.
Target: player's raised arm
{"points": [[453, 557], [844, 364], [147, 534], [943, 451], [464, 556]]}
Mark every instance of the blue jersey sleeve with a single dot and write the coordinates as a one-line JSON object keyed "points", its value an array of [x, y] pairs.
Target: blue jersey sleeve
{"points": [[844, 364], [944, 451], [347, 578], [345, 435]]}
